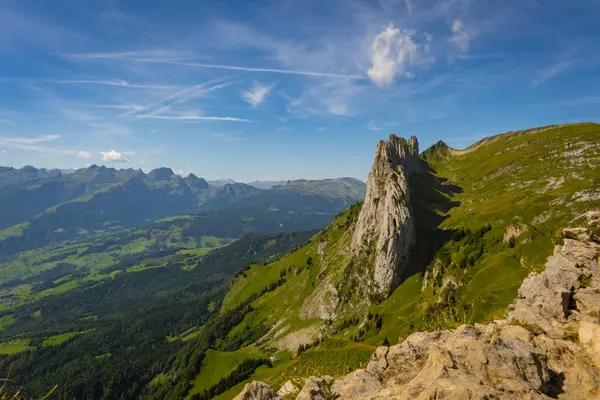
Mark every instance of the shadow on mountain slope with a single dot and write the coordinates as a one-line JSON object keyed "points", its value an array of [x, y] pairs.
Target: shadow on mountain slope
{"points": [[431, 202]]}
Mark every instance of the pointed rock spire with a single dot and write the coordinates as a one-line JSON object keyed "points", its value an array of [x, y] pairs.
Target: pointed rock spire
{"points": [[385, 230]]}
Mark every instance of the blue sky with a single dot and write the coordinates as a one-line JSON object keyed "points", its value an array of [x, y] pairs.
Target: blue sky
{"points": [[283, 89]]}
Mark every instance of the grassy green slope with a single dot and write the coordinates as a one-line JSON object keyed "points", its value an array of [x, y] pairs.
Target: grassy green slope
{"points": [[301, 271], [219, 364], [538, 177], [536, 180], [279, 311]]}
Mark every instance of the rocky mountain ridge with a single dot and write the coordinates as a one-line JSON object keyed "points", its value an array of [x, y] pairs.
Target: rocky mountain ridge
{"points": [[548, 347]]}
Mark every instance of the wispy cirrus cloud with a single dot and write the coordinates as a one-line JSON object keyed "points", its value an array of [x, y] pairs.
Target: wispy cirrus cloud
{"points": [[45, 149], [373, 126], [333, 97], [226, 138], [551, 72], [193, 63], [100, 124], [256, 94], [115, 83], [257, 69], [125, 107], [164, 109], [311, 58], [180, 97], [192, 117], [136, 55], [36, 143], [11, 140], [409, 6]]}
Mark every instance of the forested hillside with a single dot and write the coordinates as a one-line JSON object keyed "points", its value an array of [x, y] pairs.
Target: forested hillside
{"points": [[106, 334]]}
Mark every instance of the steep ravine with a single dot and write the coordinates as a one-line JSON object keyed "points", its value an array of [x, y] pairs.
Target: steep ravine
{"points": [[548, 347]]}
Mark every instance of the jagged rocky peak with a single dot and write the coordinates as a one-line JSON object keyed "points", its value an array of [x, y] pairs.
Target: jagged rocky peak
{"points": [[397, 151], [440, 150], [385, 230], [196, 183], [160, 174], [29, 169]]}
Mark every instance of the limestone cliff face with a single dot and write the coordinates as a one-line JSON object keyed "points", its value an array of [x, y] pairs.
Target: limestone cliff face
{"points": [[385, 231]]}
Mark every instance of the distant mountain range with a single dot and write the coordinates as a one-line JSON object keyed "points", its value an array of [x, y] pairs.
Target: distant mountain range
{"points": [[221, 182], [267, 184], [257, 184], [48, 205]]}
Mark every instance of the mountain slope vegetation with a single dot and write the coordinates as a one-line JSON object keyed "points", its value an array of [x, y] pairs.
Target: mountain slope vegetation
{"points": [[485, 218], [107, 334]]}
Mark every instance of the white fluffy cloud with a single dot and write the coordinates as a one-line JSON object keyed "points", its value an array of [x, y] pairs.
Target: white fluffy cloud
{"points": [[392, 51], [84, 154], [113, 156], [461, 36], [256, 94]]}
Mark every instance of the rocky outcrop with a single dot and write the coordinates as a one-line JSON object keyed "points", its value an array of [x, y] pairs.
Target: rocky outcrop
{"points": [[514, 231], [567, 292], [548, 348], [315, 388], [385, 231], [256, 390]]}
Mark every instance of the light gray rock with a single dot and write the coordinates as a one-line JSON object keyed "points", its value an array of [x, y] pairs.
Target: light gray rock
{"points": [[514, 231], [288, 389], [357, 385], [583, 254], [257, 390], [580, 234], [466, 363], [385, 229], [593, 218], [315, 388]]}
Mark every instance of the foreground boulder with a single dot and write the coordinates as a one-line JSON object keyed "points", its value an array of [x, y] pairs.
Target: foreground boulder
{"points": [[548, 348]]}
